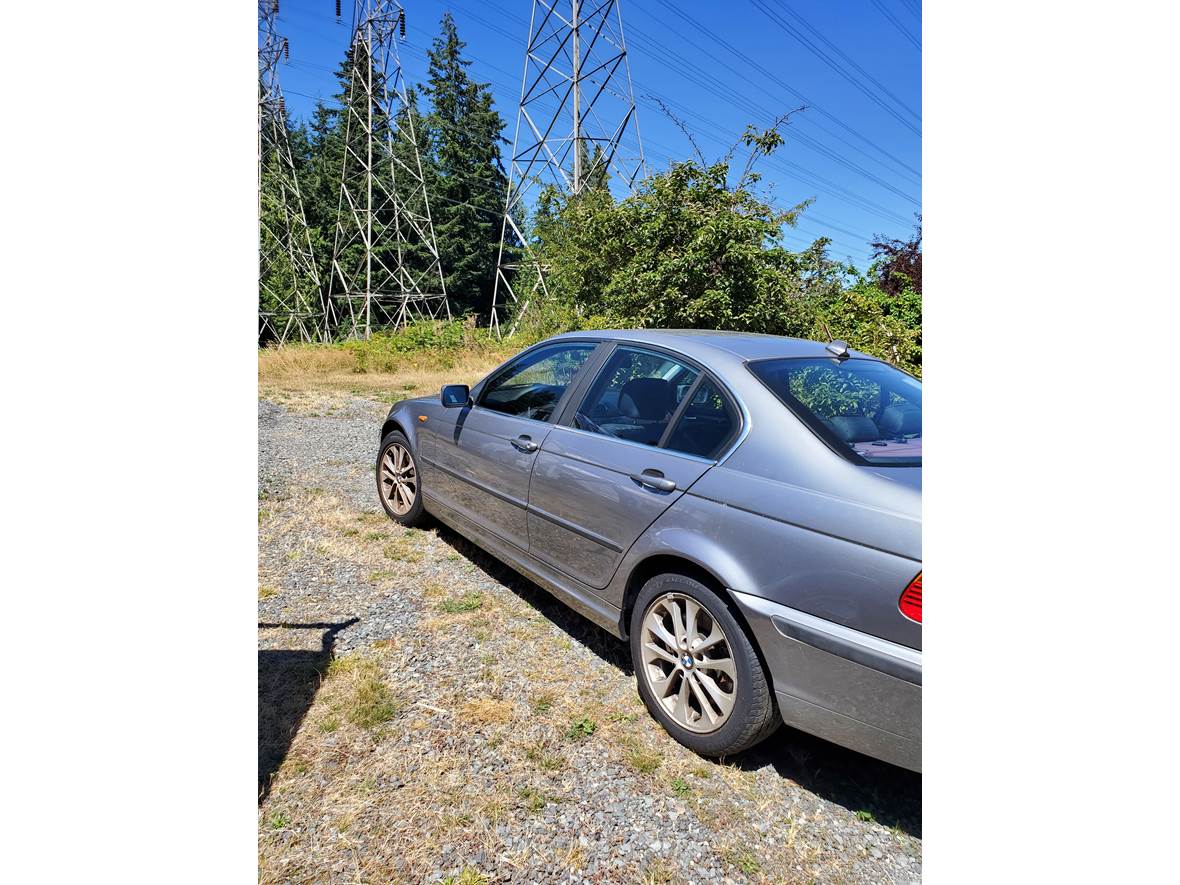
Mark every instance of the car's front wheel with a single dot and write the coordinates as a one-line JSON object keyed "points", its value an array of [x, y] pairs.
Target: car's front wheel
{"points": [[697, 672], [398, 483]]}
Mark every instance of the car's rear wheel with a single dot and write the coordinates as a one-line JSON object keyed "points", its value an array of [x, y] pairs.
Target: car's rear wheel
{"points": [[697, 672], [398, 484]]}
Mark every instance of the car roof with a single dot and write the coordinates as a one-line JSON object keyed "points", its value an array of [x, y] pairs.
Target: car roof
{"points": [[702, 343]]}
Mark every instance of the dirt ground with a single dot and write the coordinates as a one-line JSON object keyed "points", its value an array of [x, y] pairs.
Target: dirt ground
{"points": [[427, 715]]}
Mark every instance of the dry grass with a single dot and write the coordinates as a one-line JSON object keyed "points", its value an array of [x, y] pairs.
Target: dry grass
{"points": [[382, 774], [311, 377]]}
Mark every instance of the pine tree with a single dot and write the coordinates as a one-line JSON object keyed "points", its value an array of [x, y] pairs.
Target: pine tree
{"points": [[468, 188], [595, 175]]}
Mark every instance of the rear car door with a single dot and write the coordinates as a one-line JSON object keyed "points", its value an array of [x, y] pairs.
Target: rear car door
{"points": [[483, 464], [607, 471]]}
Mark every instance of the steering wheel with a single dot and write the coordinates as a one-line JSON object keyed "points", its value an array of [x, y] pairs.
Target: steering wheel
{"points": [[581, 418]]}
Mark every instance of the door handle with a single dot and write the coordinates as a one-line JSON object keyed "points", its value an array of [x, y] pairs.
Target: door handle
{"points": [[525, 444], [654, 479]]}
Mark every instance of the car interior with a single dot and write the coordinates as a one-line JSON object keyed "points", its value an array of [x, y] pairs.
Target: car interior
{"points": [[868, 406], [639, 411]]}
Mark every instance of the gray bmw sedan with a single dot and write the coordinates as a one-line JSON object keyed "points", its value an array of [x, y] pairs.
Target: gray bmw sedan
{"points": [[744, 510]]}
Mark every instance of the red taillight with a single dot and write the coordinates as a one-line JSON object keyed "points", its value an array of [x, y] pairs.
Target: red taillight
{"points": [[911, 600]]}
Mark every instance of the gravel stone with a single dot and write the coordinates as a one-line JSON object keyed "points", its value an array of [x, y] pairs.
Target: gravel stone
{"points": [[787, 810]]}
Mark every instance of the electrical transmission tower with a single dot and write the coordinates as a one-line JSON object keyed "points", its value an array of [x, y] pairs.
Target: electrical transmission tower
{"points": [[385, 265], [575, 125], [290, 304]]}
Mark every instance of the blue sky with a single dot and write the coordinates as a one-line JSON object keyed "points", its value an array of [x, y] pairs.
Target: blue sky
{"points": [[718, 66]]}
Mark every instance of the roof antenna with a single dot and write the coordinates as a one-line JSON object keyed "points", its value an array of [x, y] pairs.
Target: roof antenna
{"points": [[838, 349]]}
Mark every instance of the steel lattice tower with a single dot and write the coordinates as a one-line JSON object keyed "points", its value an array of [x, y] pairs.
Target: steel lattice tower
{"points": [[385, 264], [576, 120], [290, 297]]}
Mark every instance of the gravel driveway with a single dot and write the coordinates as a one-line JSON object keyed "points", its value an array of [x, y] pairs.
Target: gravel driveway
{"points": [[427, 715]]}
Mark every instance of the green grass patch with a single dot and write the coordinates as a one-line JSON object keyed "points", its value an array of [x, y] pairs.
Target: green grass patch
{"points": [[549, 762], [580, 729], [643, 761], [534, 800], [468, 602], [402, 549], [745, 860], [370, 703], [680, 787], [469, 876]]}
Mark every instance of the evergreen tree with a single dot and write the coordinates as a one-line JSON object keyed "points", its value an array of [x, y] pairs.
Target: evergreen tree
{"points": [[468, 189], [595, 175]]}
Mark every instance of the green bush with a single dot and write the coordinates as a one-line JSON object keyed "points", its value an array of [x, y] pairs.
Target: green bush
{"points": [[386, 351], [689, 250]]}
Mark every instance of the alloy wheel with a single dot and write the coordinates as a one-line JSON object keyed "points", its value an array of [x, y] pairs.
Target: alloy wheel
{"points": [[687, 663], [399, 479]]}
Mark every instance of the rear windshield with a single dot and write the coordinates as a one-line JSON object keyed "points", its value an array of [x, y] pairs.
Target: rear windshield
{"points": [[865, 409]]}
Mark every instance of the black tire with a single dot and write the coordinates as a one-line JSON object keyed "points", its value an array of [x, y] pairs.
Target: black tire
{"points": [[416, 515], [754, 716]]}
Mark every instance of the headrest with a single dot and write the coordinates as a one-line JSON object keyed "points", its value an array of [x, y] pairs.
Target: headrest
{"points": [[854, 428], [652, 399], [901, 420]]}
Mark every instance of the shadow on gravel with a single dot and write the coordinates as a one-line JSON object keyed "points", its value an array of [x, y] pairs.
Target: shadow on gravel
{"points": [[578, 628], [287, 683], [892, 795]]}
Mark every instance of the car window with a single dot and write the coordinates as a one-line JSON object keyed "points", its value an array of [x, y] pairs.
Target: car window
{"points": [[532, 386], [708, 422], [635, 395], [869, 410]]}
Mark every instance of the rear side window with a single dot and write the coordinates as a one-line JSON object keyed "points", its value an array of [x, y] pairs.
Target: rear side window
{"points": [[635, 396], [866, 409], [708, 422]]}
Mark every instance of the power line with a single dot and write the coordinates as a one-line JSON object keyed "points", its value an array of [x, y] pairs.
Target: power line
{"points": [[837, 191], [688, 68], [902, 29], [803, 21], [827, 59], [716, 135], [729, 47], [737, 99], [912, 176], [788, 168]]}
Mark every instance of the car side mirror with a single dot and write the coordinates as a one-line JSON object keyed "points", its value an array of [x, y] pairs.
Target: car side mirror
{"points": [[456, 396]]}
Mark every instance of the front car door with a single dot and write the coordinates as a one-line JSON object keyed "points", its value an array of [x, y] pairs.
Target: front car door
{"points": [[649, 425], [482, 463]]}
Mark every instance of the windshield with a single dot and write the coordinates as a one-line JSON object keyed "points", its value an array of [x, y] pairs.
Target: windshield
{"points": [[865, 409]]}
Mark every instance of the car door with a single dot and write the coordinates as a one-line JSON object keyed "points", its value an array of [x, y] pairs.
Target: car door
{"points": [[606, 473], [483, 462]]}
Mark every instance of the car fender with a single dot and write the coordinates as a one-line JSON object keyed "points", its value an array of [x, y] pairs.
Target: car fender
{"points": [[403, 415], [665, 537]]}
